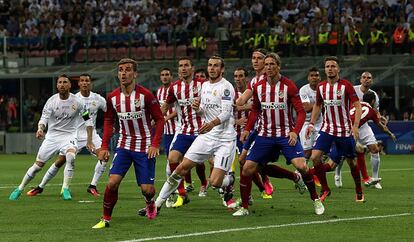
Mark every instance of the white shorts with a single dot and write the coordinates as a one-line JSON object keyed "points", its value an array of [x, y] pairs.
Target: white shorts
{"points": [[50, 147], [307, 143], [366, 136], [203, 148], [96, 140]]}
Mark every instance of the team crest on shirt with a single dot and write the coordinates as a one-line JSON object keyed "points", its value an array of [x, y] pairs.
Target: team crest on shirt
{"points": [[137, 103], [195, 90], [73, 107], [93, 103], [281, 94], [339, 93], [215, 93]]}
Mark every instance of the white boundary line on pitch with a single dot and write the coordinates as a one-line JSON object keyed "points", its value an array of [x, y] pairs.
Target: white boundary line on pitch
{"points": [[268, 227], [8, 186]]}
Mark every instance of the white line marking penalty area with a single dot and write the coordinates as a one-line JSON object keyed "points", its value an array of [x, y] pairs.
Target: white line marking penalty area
{"points": [[269, 226]]}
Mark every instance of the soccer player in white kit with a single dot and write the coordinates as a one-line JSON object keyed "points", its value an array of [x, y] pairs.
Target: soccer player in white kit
{"points": [[308, 97], [366, 138], [93, 102], [217, 134], [61, 114]]}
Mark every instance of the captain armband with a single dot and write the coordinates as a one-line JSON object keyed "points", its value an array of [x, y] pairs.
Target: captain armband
{"points": [[85, 115]]}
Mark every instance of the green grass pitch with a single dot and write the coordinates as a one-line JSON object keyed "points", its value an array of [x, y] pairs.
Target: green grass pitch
{"points": [[387, 215]]}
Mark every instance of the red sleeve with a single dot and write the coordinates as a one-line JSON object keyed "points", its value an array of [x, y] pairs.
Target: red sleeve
{"points": [[293, 97], [155, 112], [375, 116], [171, 97], [319, 99], [350, 92], [109, 120], [254, 113]]}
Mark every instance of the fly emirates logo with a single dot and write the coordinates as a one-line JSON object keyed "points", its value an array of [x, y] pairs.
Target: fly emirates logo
{"points": [[273, 105], [130, 115], [330, 103], [185, 102]]}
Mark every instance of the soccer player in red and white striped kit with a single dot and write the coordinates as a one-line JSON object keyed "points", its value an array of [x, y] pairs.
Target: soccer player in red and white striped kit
{"points": [[274, 97], [135, 107], [338, 134]]}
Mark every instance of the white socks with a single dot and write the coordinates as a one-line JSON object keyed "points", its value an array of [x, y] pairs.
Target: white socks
{"points": [[50, 173], [30, 174], [375, 164], [168, 169], [169, 187], [227, 180], [70, 166], [99, 170], [339, 168]]}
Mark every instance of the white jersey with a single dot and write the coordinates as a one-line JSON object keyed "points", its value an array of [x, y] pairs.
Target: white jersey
{"points": [[63, 116], [93, 103], [361, 94], [308, 95], [217, 102]]}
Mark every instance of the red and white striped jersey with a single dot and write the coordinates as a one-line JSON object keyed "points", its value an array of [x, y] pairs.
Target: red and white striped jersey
{"points": [[170, 125], [273, 105], [368, 113], [254, 80], [337, 100], [135, 113], [240, 114], [183, 94]]}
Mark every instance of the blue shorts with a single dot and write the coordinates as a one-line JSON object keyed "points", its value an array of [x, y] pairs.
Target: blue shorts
{"points": [[248, 143], [341, 146], [144, 167], [166, 141], [267, 149], [239, 145], [183, 142]]}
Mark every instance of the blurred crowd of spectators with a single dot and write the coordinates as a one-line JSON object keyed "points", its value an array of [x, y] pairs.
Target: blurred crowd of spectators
{"points": [[294, 25], [301, 27]]}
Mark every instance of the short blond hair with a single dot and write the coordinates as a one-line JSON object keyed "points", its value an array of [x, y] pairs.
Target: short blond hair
{"points": [[129, 60]]}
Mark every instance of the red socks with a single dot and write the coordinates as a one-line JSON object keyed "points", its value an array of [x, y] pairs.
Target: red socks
{"points": [[110, 199], [362, 166]]}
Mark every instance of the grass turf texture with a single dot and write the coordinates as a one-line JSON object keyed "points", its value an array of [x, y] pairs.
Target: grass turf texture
{"points": [[47, 217]]}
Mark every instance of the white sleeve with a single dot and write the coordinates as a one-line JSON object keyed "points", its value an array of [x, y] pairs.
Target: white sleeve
{"points": [[46, 113], [102, 102], [304, 97], [227, 100], [376, 107]]}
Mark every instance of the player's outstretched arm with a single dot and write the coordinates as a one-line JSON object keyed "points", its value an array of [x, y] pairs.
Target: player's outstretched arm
{"points": [[385, 129], [247, 94]]}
